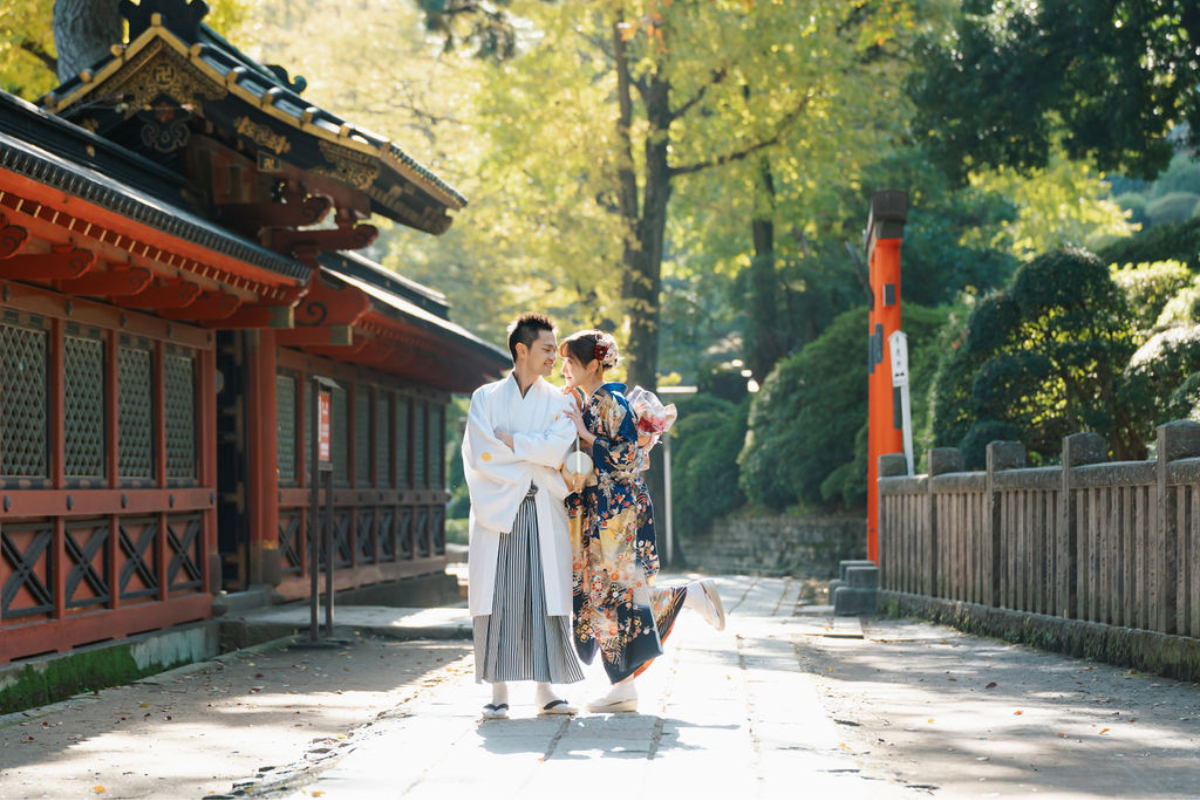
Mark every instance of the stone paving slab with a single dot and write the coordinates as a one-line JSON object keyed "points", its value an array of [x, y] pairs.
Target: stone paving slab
{"points": [[721, 714]]}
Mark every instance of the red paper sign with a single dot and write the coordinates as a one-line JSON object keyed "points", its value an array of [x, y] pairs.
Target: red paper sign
{"points": [[323, 446]]}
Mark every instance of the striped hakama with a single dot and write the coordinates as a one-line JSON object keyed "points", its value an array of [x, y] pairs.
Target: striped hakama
{"points": [[517, 641]]}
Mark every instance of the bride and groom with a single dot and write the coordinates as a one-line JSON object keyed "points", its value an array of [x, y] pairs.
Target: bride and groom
{"points": [[559, 571]]}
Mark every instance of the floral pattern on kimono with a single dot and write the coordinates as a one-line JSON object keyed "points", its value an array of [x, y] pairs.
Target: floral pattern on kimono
{"points": [[617, 609]]}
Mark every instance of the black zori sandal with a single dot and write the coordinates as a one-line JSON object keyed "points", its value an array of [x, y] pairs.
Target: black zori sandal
{"points": [[557, 707]]}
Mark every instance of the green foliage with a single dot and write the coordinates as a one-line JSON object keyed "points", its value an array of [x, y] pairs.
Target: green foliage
{"points": [[1183, 307], [1182, 175], [1012, 80], [27, 54], [1161, 377], [1149, 287], [705, 442], [1135, 204], [1172, 207], [806, 442], [1042, 358], [1160, 243]]}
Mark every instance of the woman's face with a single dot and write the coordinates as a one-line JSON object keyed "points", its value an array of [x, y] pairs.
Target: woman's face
{"points": [[572, 371]]}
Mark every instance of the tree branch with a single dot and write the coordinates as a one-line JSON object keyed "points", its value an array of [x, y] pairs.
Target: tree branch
{"points": [[738, 155], [718, 75], [39, 52]]}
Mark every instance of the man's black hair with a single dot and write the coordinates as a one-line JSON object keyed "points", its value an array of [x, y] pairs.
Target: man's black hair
{"points": [[526, 329]]}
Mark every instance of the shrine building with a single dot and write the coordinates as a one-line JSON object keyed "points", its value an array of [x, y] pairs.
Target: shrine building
{"points": [[178, 229]]}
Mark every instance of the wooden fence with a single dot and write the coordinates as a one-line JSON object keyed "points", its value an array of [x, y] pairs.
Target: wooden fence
{"points": [[1107, 542]]}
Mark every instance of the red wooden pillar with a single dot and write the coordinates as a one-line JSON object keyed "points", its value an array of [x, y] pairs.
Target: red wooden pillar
{"points": [[885, 231], [262, 480]]}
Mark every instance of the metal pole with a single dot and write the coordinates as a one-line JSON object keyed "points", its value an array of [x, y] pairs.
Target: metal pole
{"points": [[314, 518], [666, 441], [329, 537]]}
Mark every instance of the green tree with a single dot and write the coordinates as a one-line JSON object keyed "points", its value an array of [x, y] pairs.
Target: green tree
{"points": [[806, 437], [1039, 360], [667, 92], [28, 58], [1107, 80], [705, 445]]}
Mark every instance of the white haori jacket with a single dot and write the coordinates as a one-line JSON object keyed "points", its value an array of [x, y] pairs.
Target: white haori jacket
{"points": [[499, 478]]}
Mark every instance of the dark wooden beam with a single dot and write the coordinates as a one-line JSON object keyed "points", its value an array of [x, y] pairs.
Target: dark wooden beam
{"points": [[259, 315], [346, 352], [12, 238], [209, 306], [251, 217], [63, 262], [325, 305], [316, 336], [308, 244], [176, 294], [115, 283]]}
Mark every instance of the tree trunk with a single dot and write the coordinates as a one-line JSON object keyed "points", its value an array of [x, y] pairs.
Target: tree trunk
{"points": [[764, 340], [84, 30], [642, 251]]}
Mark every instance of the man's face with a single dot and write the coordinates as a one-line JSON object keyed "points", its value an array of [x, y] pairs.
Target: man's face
{"points": [[543, 353]]}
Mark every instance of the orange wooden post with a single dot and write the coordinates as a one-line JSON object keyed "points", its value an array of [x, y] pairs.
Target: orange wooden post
{"points": [[885, 232]]}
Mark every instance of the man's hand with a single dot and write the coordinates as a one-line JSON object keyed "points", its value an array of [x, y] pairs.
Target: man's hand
{"points": [[505, 437]]}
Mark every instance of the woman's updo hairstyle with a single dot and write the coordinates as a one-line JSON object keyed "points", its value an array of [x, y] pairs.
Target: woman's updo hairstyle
{"points": [[589, 346]]}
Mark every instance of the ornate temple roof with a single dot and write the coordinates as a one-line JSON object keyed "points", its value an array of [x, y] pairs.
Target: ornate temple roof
{"points": [[173, 55]]}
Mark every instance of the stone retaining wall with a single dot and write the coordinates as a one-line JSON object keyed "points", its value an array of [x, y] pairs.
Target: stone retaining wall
{"points": [[809, 547]]}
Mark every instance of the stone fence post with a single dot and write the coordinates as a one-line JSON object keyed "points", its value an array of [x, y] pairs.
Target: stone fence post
{"points": [[1079, 449], [1000, 456]]}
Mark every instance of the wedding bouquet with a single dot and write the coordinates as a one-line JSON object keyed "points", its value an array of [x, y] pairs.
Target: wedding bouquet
{"points": [[653, 419]]}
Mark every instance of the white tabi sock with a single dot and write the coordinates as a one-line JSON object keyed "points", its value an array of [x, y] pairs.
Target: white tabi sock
{"points": [[499, 693], [545, 694]]}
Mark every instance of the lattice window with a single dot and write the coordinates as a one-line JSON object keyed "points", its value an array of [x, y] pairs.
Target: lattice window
{"points": [[383, 437], [135, 408], [83, 403], [362, 435], [437, 447], [340, 430], [420, 449], [401, 433], [285, 415], [179, 387], [24, 417]]}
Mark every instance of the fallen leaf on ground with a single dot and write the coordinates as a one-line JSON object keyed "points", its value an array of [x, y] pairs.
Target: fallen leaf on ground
{"points": [[1018, 713], [99, 789], [1103, 731], [991, 685]]}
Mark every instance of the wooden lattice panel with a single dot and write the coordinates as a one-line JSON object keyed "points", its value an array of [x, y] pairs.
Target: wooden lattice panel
{"points": [[23, 396]]}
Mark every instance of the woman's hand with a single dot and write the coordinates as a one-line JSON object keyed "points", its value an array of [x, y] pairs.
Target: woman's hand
{"points": [[575, 482], [505, 437], [576, 416]]}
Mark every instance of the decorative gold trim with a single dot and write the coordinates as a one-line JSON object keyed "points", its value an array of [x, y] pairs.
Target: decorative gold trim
{"points": [[348, 166], [262, 136]]}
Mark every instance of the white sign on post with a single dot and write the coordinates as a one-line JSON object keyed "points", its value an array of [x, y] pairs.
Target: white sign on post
{"points": [[898, 345]]}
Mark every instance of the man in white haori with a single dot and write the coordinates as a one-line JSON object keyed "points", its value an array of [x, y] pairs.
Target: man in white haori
{"points": [[517, 437]]}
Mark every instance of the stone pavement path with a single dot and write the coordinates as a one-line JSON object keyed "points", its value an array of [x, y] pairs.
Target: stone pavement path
{"points": [[722, 714], [249, 718], [787, 702]]}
